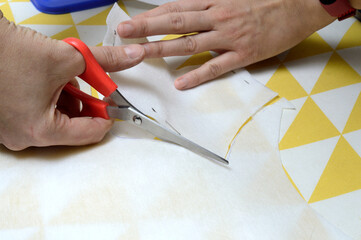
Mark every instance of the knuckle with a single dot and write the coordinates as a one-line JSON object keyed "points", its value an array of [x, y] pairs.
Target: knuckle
{"points": [[214, 70], [190, 44], [236, 35], [172, 8], [13, 147], [223, 15], [177, 22], [13, 144], [158, 49], [154, 49], [241, 55], [16, 143], [18, 137], [110, 57], [143, 28], [196, 80]]}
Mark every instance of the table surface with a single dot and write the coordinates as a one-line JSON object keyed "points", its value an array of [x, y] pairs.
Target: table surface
{"points": [[320, 141]]}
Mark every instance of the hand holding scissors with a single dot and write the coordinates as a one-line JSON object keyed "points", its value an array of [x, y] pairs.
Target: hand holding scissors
{"points": [[95, 76], [33, 71]]}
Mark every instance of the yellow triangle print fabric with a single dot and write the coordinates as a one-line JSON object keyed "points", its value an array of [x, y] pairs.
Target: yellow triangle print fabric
{"points": [[263, 64], [310, 125], [70, 32], [197, 59], [337, 73], [341, 175], [5, 8], [339, 179], [285, 84], [311, 46], [293, 183], [42, 18], [98, 19], [354, 123], [352, 37]]}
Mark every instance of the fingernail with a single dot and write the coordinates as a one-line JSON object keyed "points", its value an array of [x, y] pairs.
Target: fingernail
{"points": [[181, 83], [133, 51], [126, 29]]}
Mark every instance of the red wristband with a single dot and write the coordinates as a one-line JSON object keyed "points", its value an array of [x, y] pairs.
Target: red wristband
{"points": [[338, 8]]}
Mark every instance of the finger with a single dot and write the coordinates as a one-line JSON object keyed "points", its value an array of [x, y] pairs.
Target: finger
{"points": [[110, 101], [114, 59], [183, 46], [75, 83], [68, 104], [210, 70], [78, 131], [174, 7], [172, 23]]}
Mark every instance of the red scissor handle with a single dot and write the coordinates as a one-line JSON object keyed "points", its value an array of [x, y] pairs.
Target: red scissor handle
{"points": [[94, 74], [96, 77], [91, 106]]}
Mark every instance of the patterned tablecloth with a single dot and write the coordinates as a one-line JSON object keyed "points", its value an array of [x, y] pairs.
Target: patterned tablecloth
{"points": [[320, 141]]}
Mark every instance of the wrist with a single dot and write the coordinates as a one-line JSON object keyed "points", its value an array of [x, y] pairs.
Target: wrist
{"points": [[313, 14]]}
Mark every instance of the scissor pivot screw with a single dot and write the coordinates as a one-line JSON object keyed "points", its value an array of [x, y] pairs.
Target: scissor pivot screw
{"points": [[137, 120]]}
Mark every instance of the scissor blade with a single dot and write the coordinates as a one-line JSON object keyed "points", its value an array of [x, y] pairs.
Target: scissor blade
{"points": [[136, 118]]}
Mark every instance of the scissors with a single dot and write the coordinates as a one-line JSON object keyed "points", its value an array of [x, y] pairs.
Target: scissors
{"points": [[96, 77]]}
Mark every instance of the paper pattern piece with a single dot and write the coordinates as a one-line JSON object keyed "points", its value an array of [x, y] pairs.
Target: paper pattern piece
{"points": [[321, 141], [209, 115]]}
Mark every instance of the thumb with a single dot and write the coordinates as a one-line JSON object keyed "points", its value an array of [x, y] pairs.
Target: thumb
{"points": [[117, 58], [83, 130]]}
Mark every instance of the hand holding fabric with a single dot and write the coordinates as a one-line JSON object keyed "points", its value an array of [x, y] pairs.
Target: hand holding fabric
{"points": [[241, 31]]}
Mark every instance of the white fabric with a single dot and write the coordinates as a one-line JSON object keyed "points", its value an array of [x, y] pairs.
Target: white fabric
{"points": [[146, 189]]}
